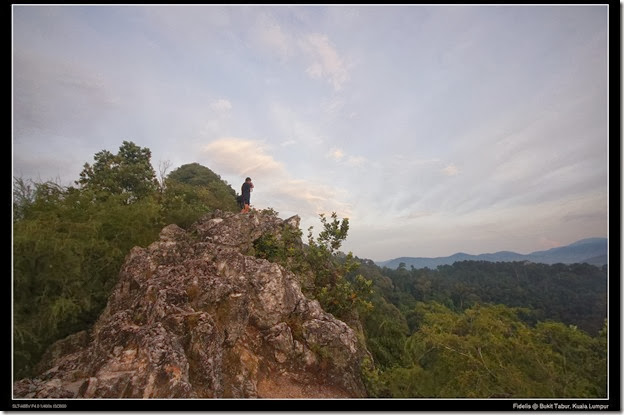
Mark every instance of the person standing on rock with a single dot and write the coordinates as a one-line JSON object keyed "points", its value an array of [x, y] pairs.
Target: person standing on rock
{"points": [[246, 190]]}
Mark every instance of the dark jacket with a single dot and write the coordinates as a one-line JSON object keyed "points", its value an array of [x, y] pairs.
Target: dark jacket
{"points": [[246, 192]]}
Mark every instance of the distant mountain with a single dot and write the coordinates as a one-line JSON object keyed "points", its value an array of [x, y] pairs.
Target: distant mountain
{"points": [[591, 250]]}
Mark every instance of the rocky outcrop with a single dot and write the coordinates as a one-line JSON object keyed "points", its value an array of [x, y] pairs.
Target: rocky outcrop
{"points": [[192, 316]]}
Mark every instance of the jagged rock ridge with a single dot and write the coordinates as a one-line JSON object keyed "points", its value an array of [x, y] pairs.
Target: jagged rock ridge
{"points": [[192, 316]]}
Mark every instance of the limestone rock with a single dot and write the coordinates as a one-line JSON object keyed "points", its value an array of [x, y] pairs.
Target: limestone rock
{"points": [[192, 316]]}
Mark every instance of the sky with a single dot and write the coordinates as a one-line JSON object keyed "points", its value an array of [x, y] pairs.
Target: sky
{"points": [[434, 129]]}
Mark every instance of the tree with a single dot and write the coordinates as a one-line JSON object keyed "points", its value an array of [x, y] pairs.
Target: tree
{"points": [[488, 351], [163, 166], [23, 197], [129, 172], [335, 293], [68, 245], [197, 175], [67, 252], [322, 267], [193, 190]]}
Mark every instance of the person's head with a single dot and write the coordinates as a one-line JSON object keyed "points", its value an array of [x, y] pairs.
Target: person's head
{"points": [[248, 180]]}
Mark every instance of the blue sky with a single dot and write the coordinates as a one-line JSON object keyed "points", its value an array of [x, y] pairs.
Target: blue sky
{"points": [[434, 129]]}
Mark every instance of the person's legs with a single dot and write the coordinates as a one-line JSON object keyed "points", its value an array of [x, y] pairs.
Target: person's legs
{"points": [[245, 204]]}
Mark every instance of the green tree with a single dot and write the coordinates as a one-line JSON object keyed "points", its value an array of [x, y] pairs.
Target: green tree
{"points": [[67, 252], [197, 175], [322, 267], [69, 243], [488, 351], [386, 332], [330, 267], [23, 197], [193, 190], [129, 172]]}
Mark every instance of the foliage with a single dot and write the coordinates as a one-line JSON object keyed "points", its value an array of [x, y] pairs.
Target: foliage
{"points": [[488, 351], [284, 248], [23, 197], [197, 175], [573, 294], [321, 266], [336, 294], [433, 333], [69, 243], [67, 251], [386, 332], [129, 172], [193, 190]]}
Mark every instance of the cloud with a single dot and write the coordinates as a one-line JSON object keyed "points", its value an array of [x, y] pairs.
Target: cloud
{"points": [[356, 161], [450, 170], [326, 63], [317, 52], [309, 198], [335, 154], [418, 214], [221, 105], [242, 157], [275, 186], [57, 96], [339, 155], [269, 34]]}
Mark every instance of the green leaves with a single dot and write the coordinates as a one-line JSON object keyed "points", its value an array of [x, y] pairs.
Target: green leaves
{"points": [[459, 345], [333, 233], [487, 351], [129, 173], [326, 267], [69, 243], [193, 190], [67, 251]]}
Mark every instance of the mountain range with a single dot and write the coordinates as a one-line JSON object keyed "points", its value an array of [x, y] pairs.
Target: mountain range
{"points": [[591, 250]]}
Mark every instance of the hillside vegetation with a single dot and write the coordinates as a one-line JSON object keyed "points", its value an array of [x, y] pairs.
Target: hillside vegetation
{"points": [[482, 329], [69, 242], [472, 329]]}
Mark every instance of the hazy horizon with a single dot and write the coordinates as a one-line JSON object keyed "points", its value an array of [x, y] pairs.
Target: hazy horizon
{"points": [[482, 253], [435, 129]]}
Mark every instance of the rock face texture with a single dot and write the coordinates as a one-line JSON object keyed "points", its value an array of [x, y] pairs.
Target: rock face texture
{"points": [[193, 317]]}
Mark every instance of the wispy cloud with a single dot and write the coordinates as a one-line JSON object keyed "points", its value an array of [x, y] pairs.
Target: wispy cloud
{"points": [[311, 198], [241, 156], [49, 92], [450, 170], [335, 154], [384, 113], [417, 215], [326, 62], [268, 34], [356, 161], [221, 105], [315, 51], [276, 187], [338, 155]]}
